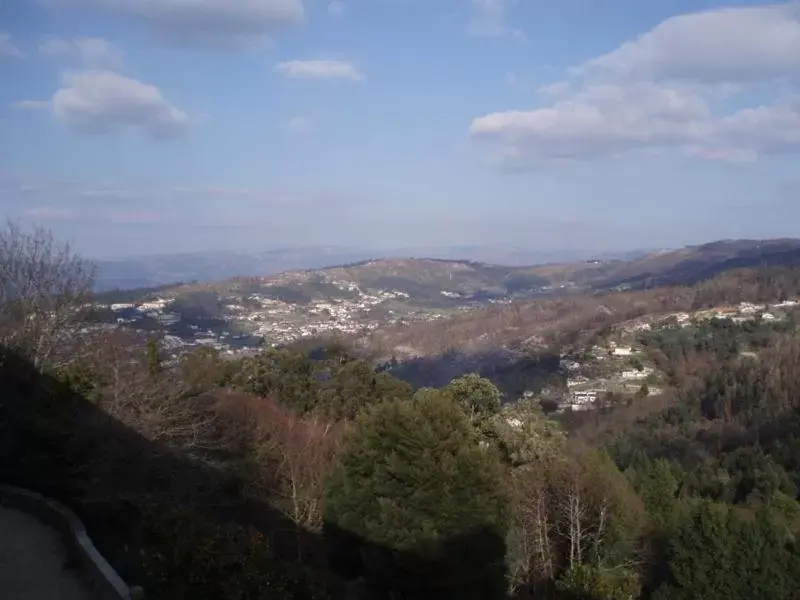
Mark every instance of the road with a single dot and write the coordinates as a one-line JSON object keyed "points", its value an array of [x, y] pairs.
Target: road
{"points": [[33, 562]]}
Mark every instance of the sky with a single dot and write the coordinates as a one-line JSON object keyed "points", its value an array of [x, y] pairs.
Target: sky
{"points": [[132, 127]]}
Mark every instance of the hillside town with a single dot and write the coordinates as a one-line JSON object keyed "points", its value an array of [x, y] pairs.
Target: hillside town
{"points": [[247, 322], [615, 365], [619, 365]]}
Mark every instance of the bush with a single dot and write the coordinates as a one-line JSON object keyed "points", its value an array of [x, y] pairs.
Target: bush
{"points": [[187, 556]]}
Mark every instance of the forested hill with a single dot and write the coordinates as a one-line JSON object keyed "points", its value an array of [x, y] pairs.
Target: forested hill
{"points": [[305, 473]]}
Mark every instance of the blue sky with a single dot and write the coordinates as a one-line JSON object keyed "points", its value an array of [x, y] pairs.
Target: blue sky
{"points": [[144, 126]]}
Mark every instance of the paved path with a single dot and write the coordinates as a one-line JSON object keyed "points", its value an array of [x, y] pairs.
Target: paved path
{"points": [[32, 562]]}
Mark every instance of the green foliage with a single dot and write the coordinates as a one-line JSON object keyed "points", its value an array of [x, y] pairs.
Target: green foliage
{"points": [[81, 379], [476, 395], [203, 370], [586, 582], [755, 476], [418, 504], [153, 357], [186, 556], [333, 385], [658, 490], [716, 554], [524, 434]]}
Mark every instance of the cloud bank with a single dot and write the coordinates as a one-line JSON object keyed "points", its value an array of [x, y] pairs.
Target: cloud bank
{"points": [[663, 90]]}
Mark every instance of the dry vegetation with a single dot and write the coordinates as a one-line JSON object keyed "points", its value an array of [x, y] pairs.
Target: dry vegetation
{"points": [[573, 319], [43, 287]]}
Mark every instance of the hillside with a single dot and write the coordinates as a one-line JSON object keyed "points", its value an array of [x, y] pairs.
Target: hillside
{"points": [[566, 320], [402, 296], [658, 423]]}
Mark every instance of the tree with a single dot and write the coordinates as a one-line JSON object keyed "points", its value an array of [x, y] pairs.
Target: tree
{"points": [[44, 288], [478, 396], [285, 456], [586, 582], [716, 554], [418, 506], [153, 358], [658, 490], [202, 370]]}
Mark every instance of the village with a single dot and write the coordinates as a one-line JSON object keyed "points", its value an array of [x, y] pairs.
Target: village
{"points": [[619, 366], [614, 366], [251, 321]]}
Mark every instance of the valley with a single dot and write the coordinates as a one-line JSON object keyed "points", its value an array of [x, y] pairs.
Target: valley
{"points": [[431, 320]]}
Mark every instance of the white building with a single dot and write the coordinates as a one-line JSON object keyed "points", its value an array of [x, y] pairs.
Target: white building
{"points": [[584, 400], [121, 305], [786, 304], [576, 381], [748, 308], [153, 305], [622, 351], [636, 374]]}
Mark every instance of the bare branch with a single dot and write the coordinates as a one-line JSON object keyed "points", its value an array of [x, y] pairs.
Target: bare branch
{"points": [[44, 288]]}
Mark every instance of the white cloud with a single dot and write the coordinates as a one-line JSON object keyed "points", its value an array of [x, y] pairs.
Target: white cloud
{"points": [[557, 88], [319, 69], [7, 47], [103, 101], [599, 121], [490, 19], [661, 90], [228, 22], [724, 45], [607, 120], [299, 125], [31, 105], [94, 53]]}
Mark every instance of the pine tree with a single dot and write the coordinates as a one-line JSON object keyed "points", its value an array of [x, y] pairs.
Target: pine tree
{"points": [[153, 358], [418, 507]]}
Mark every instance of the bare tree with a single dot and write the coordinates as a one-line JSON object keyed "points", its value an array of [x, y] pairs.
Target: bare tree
{"points": [[291, 455], [44, 287]]}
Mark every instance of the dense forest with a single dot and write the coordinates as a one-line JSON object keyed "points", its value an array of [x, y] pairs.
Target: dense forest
{"points": [[304, 472]]}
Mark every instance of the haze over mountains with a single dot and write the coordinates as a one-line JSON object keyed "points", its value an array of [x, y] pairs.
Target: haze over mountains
{"points": [[643, 266], [251, 309], [161, 269]]}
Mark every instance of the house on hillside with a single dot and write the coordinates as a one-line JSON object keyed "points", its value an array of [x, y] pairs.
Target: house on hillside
{"points": [[636, 374], [121, 306], [622, 351], [786, 304], [576, 381], [583, 400], [569, 365], [748, 308]]}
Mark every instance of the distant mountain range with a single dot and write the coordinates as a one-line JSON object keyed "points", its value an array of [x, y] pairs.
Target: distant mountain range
{"points": [[634, 270], [159, 270], [379, 294]]}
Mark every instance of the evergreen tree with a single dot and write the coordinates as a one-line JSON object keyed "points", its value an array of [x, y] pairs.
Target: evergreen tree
{"points": [[418, 506], [478, 396], [659, 490], [153, 357]]}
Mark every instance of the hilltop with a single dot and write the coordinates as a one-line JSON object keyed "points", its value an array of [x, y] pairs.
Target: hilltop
{"points": [[392, 294]]}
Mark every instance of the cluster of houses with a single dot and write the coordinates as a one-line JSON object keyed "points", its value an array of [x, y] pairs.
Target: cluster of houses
{"points": [[273, 320], [582, 393]]}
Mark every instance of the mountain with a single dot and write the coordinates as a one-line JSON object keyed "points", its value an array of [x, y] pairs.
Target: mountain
{"points": [[162, 269], [389, 295], [696, 263]]}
